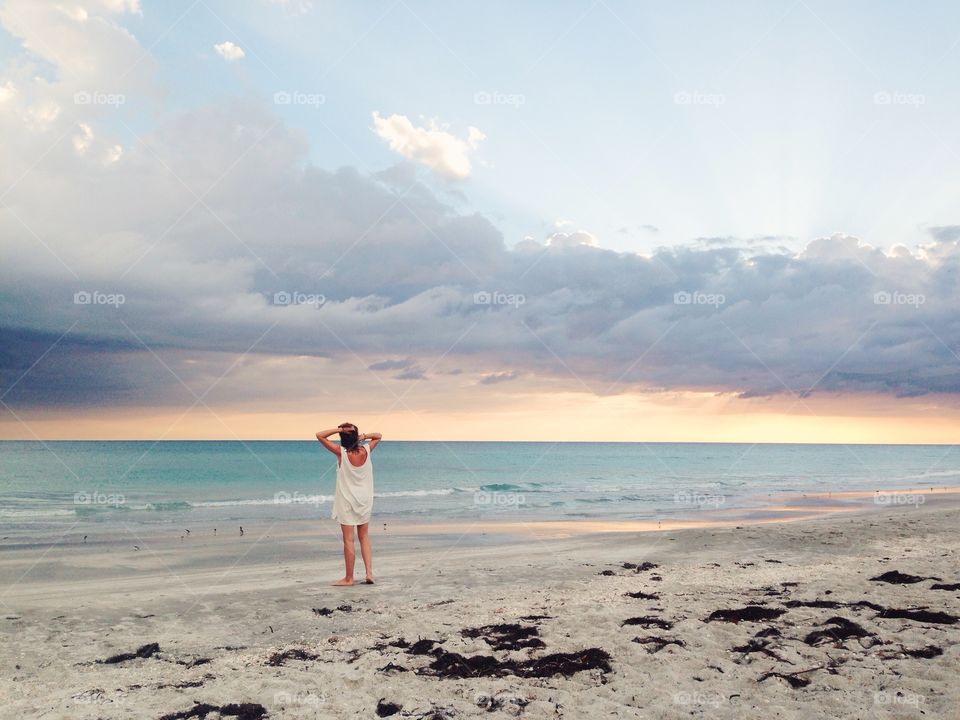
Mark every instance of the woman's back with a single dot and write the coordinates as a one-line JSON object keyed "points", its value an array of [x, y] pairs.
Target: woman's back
{"points": [[353, 501]]}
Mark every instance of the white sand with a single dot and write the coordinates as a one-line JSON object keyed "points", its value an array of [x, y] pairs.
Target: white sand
{"points": [[238, 600]]}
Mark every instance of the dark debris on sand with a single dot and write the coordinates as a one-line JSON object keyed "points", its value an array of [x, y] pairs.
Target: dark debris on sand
{"points": [[506, 636], [326, 612], [401, 643], [756, 645], [641, 567], [391, 667], [386, 709], [280, 658], [241, 711], [640, 595], [938, 618], [751, 613], [648, 622], [927, 652], [768, 632], [945, 586], [437, 713], [144, 651], [656, 644], [840, 629], [423, 646], [795, 679], [454, 665], [895, 577]]}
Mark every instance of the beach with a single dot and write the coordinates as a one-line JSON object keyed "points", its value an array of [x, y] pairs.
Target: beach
{"points": [[840, 615]]}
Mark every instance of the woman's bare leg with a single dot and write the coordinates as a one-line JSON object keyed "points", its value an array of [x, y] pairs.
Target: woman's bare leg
{"points": [[349, 555], [366, 550]]}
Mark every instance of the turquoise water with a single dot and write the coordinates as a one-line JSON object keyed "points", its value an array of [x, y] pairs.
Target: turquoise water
{"points": [[50, 486]]}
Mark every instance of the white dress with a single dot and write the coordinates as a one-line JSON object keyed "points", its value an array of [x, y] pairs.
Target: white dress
{"points": [[353, 501]]}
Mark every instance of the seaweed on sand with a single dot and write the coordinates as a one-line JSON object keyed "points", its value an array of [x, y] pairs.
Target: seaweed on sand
{"points": [[144, 651], [506, 636], [895, 577], [751, 613], [919, 615], [840, 629], [279, 658], [241, 711], [457, 666], [657, 643], [386, 709], [648, 622]]}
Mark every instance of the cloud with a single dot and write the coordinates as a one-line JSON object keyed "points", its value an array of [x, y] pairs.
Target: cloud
{"points": [[946, 233], [7, 91], [574, 239], [390, 364], [418, 280], [228, 51], [444, 153], [202, 280], [84, 48], [494, 378], [84, 139]]}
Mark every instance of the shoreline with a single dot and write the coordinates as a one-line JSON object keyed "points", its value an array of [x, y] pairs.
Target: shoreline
{"points": [[784, 508]]}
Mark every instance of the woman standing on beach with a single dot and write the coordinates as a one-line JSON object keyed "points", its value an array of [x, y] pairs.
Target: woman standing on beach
{"points": [[353, 500]]}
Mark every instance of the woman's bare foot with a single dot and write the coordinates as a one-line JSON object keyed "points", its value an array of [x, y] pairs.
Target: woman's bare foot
{"points": [[342, 582], [368, 581]]}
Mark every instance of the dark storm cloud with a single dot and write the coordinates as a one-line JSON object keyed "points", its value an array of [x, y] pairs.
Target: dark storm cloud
{"points": [[288, 259]]}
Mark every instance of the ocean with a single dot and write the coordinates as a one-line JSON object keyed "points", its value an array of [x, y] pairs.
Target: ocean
{"points": [[49, 488]]}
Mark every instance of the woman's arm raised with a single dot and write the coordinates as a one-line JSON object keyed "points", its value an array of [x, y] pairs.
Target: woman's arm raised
{"points": [[323, 436], [374, 439]]}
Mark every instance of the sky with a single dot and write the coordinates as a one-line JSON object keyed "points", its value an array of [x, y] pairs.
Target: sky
{"points": [[521, 221]]}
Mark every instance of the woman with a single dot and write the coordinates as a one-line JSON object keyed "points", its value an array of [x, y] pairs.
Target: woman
{"points": [[353, 501]]}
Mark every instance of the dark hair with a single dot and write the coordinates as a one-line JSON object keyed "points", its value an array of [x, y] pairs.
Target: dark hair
{"points": [[349, 436]]}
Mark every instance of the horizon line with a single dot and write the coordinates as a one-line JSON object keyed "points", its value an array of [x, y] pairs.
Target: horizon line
{"points": [[512, 442]]}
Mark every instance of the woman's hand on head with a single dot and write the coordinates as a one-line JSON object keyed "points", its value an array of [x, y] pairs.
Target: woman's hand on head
{"points": [[323, 436]]}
